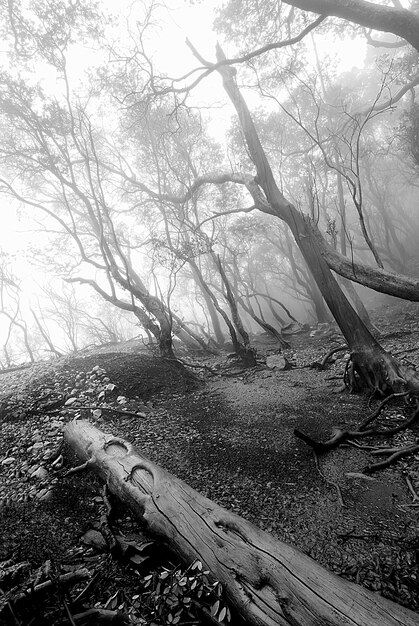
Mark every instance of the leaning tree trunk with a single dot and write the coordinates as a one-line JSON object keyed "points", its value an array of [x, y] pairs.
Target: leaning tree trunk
{"points": [[371, 365], [268, 328], [245, 350], [309, 284], [245, 353], [267, 582], [215, 320]]}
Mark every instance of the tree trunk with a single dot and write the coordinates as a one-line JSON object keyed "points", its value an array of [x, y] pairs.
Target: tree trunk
{"points": [[268, 328], [398, 21], [45, 335], [371, 365], [267, 582], [320, 308], [245, 350], [275, 314], [238, 346], [215, 320], [357, 302], [306, 281]]}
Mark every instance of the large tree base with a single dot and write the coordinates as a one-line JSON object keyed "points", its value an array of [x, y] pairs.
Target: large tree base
{"points": [[379, 372], [376, 370]]}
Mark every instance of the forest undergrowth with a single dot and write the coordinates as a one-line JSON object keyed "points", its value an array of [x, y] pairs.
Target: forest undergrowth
{"points": [[230, 435]]}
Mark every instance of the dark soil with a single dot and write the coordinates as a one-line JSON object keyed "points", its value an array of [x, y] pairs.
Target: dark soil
{"points": [[230, 436]]}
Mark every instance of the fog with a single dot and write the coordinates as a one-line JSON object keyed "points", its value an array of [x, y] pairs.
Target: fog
{"points": [[132, 204]]}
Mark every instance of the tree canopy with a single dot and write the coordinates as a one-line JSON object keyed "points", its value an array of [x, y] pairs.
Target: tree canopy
{"points": [[136, 193]]}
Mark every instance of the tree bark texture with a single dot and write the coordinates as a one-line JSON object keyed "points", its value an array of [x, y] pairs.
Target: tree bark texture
{"points": [[269, 583], [243, 348], [353, 329], [215, 320], [400, 22]]}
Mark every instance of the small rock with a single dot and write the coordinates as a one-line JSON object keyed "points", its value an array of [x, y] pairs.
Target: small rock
{"points": [[70, 401], [9, 460], [40, 473], [95, 539], [276, 361], [44, 495]]}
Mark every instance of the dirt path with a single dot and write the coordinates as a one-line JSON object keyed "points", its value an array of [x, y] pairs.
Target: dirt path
{"points": [[231, 437], [238, 448]]}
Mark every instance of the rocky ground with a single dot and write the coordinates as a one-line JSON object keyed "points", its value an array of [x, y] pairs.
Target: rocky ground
{"points": [[229, 435]]}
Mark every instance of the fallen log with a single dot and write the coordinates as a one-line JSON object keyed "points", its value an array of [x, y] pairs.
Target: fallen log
{"points": [[269, 583]]}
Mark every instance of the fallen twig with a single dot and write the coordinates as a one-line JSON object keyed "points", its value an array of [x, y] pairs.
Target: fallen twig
{"points": [[105, 408], [17, 368], [65, 579], [8, 604], [415, 496], [92, 617], [87, 588], [79, 468]]}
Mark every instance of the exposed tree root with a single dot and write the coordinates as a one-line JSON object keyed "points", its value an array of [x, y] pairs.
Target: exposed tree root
{"points": [[320, 447], [380, 372], [330, 482], [340, 436], [394, 455], [327, 356], [321, 365], [187, 364], [382, 404]]}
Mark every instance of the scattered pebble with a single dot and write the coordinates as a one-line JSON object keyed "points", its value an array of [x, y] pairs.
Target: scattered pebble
{"points": [[8, 461], [40, 473], [44, 495], [29, 468]]}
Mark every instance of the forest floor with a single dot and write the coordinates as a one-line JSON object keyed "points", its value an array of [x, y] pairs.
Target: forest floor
{"points": [[230, 436]]}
